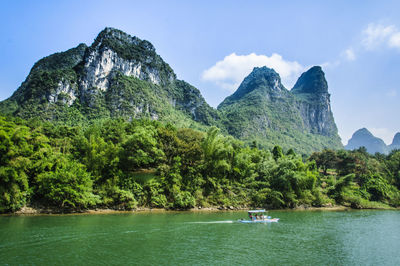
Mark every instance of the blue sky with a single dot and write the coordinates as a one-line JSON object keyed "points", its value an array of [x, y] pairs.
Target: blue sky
{"points": [[214, 44]]}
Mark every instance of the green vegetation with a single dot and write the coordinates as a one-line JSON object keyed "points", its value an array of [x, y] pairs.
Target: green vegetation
{"points": [[358, 179], [61, 88], [271, 121], [133, 48], [262, 110], [143, 163], [77, 150]]}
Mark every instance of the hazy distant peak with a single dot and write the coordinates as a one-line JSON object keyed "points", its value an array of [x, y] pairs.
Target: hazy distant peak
{"points": [[396, 139], [362, 132], [364, 138]]}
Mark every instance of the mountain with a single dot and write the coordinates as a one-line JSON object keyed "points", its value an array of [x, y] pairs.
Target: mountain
{"points": [[122, 76], [117, 76], [364, 138], [396, 142], [263, 109]]}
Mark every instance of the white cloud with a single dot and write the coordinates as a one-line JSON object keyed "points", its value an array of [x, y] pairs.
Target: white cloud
{"points": [[373, 37], [376, 35], [384, 133], [231, 71], [394, 40], [349, 54]]}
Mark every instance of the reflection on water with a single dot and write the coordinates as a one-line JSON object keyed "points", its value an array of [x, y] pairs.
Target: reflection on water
{"points": [[334, 238]]}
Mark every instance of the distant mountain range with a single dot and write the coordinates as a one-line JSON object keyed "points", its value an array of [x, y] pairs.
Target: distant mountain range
{"points": [[364, 138], [123, 76]]}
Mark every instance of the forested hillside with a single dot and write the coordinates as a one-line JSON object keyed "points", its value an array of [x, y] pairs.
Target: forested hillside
{"points": [[125, 165]]}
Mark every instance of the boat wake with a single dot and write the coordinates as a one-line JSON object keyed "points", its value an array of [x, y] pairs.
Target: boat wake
{"points": [[212, 222], [128, 232]]}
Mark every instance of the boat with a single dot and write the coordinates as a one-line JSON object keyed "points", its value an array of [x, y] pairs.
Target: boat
{"points": [[259, 216]]}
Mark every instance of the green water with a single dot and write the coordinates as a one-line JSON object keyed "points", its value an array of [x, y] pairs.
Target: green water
{"points": [[300, 238]]}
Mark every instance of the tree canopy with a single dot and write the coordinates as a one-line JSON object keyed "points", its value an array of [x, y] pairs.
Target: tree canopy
{"points": [[124, 165]]}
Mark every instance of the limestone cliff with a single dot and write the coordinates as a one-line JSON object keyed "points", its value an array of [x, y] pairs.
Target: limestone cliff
{"points": [[311, 90], [117, 76]]}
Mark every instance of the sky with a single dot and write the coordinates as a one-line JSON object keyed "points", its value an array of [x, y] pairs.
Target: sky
{"points": [[213, 45]]}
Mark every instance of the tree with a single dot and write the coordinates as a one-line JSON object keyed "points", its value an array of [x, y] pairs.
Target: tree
{"points": [[217, 151], [141, 149], [277, 152], [393, 165], [68, 185], [346, 163], [325, 160], [341, 185], [290, 152], [15, 150], [100, 158]]}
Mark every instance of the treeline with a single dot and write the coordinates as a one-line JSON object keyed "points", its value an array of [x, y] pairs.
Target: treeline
{"points": [[125, 165]]}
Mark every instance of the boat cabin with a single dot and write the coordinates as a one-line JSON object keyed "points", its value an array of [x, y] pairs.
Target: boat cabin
{"points": [[257, 214]]}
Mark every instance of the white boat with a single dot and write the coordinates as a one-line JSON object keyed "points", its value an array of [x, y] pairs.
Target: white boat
{"points": [[259, 216]]}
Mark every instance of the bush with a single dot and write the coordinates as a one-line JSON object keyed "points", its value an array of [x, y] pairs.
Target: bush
{"points": [[68, 186]]}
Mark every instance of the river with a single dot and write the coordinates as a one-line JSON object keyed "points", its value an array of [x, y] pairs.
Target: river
{"points": [[368, 237]]}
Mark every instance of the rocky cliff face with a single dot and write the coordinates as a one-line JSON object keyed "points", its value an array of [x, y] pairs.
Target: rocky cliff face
{"points": [[118, 75], [115, 51], [311, 90]]}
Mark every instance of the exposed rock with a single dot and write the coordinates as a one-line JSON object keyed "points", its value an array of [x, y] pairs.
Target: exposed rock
{"points": [[27, 210], [100, 64], [101, 80], [66, 92], [114, 50], [311, 90]]}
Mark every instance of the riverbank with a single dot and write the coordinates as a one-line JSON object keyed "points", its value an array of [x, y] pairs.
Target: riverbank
{"points": [[50, 211], [38, 210]]}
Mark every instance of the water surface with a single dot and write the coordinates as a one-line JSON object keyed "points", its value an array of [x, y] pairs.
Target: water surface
{"points": [[202, 238]]}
